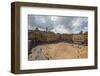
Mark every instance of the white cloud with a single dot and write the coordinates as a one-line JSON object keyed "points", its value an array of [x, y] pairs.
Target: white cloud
{"points": [[59, 24], [76, 28], [30, 27], [54, 18], [76, 23], [43, 20], [85, 29], [42, 29], [39, 19], [60, 29]]}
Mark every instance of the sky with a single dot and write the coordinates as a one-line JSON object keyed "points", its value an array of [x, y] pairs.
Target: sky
{"points": [[58, 24]]}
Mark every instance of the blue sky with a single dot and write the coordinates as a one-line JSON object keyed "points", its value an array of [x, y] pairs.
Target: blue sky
{"points": [[58, 24]]}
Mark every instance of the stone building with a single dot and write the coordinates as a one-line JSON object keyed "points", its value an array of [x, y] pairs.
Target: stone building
{"points": [[80, 38], [66, 37], [36, 37]]}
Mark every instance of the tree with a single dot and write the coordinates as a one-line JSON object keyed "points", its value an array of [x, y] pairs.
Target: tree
{"points": [[81, 32], [36, 28]]}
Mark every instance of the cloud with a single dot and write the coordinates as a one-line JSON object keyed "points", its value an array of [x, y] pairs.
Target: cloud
{"points": [[30, 27], [54, 18], [85, 29], [60, 29], [59, 24]]}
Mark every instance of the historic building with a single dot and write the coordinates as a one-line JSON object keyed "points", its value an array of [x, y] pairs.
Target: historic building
{"points": [[80, 38], [36, 37]]}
